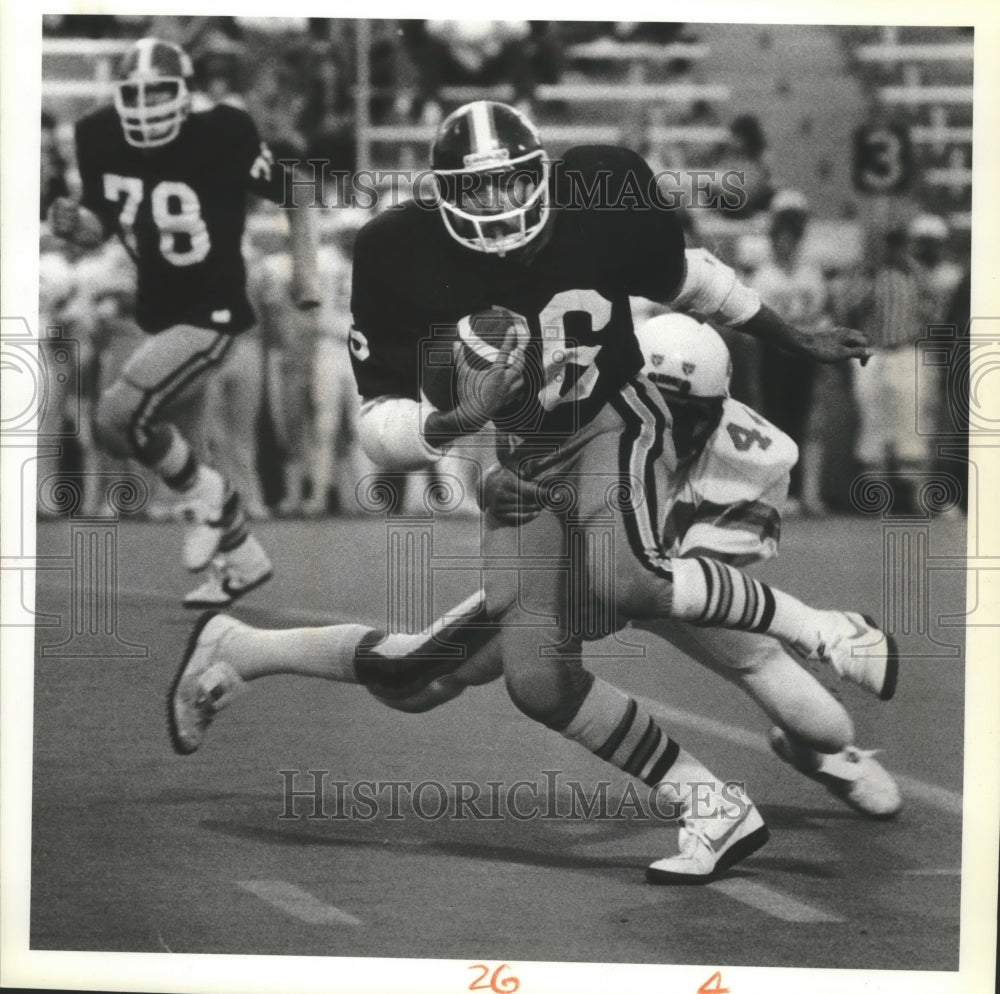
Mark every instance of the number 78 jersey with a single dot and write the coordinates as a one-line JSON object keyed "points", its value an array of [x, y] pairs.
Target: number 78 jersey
{"points": [[180, 210], [727, 503]]}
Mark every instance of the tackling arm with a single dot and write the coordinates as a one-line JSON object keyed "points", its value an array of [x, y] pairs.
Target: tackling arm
{"points": [[712, 289]]}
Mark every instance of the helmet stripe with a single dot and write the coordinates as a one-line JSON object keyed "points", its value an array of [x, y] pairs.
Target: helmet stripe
{"points": [[483, 135], [144, 48]]}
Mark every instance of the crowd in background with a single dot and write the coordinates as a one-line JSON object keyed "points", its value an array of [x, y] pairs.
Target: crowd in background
{"points": [[281, 418]]}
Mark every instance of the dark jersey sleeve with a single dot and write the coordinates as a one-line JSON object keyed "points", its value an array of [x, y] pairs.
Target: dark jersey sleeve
{"points": [[655, 237], [88, 149], [641, 235], [259, 168], [385, 346]]}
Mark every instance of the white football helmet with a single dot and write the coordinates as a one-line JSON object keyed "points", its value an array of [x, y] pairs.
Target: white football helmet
{"points": [[685, 357], [151, 94], [691, 366]]}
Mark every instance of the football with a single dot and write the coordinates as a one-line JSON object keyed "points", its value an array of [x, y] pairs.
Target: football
{"points": [[482, 334], [472, 346]]}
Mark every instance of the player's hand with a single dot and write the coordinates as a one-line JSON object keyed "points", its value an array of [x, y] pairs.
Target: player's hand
{"points": [[487, 393], [64, 218], [511, 500], [836, 344]]}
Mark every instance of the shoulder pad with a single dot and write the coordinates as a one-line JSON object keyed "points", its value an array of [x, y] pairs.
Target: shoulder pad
{"points": [[747, 454]]}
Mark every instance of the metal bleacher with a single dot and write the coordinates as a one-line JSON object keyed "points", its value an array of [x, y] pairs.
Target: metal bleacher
{"points": [[599, 109]]}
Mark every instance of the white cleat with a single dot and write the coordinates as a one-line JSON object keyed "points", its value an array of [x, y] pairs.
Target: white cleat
{"points": [[710, 846], [201, 512], [204, 684], [232, 574], [211, 593], [852, 775], [858, 650]]}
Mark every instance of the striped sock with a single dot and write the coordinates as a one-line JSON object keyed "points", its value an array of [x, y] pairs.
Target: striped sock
{"points": [[707, 592], [616, 728], [234, 523]]}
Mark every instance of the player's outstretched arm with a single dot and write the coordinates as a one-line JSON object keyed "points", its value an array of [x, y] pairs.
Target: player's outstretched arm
{"points": [[832, 344], [712, 289], [73, 222]]}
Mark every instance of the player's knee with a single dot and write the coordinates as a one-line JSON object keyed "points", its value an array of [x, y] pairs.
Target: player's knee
{"points": [[116, 410], [623, 590], [549, 691]]}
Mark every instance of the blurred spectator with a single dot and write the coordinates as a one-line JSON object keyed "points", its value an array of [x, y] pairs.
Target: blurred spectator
{"points": [[312, 395], [746, 152], [795, 289], [56, 286], [927, 239], [234, 400], [327, 116], [955, 406], [98, 313], [276, 101], [53, 178], [938, 279], [219, 73], [336, 461], [890, 405], [477, 53]]}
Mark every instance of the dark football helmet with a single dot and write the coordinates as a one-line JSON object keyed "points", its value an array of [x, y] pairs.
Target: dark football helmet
{"points": [[151, 95], [492, 176]]}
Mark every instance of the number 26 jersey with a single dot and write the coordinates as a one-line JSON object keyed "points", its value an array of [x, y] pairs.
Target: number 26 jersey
{"points": [[607, 239], [180, 210]]}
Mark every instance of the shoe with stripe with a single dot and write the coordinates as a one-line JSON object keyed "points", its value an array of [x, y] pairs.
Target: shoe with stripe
{"points": [[204, 684], [708, 847], [231, 575], [852, 775], [858, 651]]}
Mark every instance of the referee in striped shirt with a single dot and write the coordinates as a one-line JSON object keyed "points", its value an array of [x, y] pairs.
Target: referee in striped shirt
{"points": [[886, 388]]}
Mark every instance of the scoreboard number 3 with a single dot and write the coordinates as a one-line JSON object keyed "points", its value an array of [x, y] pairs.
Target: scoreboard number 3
{"points": [[496, 983]]}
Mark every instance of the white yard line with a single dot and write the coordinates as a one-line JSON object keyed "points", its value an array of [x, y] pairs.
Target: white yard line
{"points": [[773, 902], [296, 902]]}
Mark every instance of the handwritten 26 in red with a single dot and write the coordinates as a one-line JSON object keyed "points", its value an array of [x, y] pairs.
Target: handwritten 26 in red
{"points": [[507, 985]]}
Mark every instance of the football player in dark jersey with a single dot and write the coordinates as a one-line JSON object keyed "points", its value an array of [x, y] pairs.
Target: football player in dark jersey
{"points": [[530, 266], [172, 184]]}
